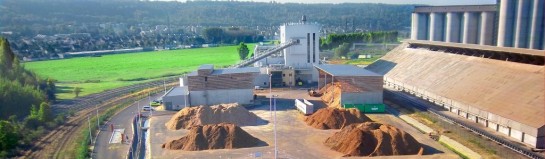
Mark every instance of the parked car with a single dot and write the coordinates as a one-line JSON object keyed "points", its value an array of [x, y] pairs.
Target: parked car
{"points": [[147, 108], [155, 103]]}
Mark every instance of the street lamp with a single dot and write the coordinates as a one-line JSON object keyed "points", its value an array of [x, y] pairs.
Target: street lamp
{"points": [[270, 91], [275, 140]]}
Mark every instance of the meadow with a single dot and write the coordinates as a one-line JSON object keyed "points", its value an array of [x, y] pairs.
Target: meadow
{"points": [[96, 74]]}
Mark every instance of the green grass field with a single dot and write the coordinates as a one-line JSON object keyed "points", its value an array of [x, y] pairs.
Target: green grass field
{"points": [[96, 74]]}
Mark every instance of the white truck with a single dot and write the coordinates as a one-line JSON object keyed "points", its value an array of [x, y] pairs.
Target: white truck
{"points": [[304, 106]]}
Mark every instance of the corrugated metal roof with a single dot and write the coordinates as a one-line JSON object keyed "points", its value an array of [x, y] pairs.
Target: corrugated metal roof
{"points": [[236, 70], [345, 70], [230, 71], [177, 91], [206, 67]]}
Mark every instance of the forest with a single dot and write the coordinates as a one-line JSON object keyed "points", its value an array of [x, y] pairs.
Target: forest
{"points": [[25, 113], [57, 16]]}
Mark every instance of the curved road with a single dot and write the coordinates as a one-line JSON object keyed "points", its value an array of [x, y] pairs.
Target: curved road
{"points": [[122, 120]]}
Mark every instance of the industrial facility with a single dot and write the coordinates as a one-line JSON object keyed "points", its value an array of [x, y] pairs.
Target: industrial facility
{"points": [[510, 23], [483, 65], [294, 62]]}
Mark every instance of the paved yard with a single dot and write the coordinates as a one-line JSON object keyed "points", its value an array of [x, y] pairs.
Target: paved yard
{"points": [[295, 138]]}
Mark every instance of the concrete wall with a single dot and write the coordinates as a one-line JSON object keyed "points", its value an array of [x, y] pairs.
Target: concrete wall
{"points": [[516, 134], [503, 130], [362, 98], [176, 102], [213, 97], [261, 80], [529, 139]]}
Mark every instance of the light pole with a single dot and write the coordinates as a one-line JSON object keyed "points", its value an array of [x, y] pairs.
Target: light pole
{"points": [[149, 101], [98, 119], [90, 135], [270, 92], [275, 140]]}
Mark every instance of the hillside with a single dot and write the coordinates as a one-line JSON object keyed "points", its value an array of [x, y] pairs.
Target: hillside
{"points": [[60, 15], [20, 88]]}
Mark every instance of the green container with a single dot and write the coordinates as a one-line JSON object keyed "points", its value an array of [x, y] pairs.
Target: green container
{"points": [[346, 106], [360, 107], [374, 108]]}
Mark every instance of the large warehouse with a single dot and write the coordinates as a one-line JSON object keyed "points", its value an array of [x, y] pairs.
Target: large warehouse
{"points": [[348, 84], [484, 63]]}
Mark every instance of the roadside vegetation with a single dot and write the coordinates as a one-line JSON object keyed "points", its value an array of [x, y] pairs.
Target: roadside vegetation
{"points": [[88, 75]]}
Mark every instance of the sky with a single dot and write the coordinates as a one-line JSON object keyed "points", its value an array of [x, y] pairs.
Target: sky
{"points": [[427, 2]]}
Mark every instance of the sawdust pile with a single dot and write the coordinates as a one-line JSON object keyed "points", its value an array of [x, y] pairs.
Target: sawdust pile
{"points": [[373, 139], [213, 136], [202, 115], [335, 118], [331, 95]]}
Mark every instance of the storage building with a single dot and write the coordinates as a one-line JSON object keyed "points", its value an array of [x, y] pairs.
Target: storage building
{"points": [[176, 98], [348, 84], [209, 86]]}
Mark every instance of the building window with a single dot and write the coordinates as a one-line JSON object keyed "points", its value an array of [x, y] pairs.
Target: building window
{"points": [[205, 79], [290, 74], [308, 47], [314, 47], [284, 75]]}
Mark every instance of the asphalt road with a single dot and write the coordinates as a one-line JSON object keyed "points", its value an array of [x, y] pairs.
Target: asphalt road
{"points": [[122, 120]]}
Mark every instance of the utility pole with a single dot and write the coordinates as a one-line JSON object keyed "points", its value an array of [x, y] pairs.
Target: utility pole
{"points": [[98, 119], [275, 140], [90, 134], [270, 91]]}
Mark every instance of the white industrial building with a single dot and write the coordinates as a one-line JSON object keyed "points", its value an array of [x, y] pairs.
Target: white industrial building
{"points": [[300, 56], [176, 98]]}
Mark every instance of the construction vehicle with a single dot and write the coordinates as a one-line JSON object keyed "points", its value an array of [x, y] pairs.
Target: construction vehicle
{"points": [[314, 93]]}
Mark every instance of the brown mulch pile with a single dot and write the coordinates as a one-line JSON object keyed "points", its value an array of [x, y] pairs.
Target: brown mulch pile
{"points": [[373, 139], [335, 118], [213, 136], [202, 115]]}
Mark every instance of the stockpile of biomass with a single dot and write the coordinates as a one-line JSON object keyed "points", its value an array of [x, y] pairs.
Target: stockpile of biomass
{"points": [[335, 118], [213, 136], [373, 139], [202, 115], [331, 95]]}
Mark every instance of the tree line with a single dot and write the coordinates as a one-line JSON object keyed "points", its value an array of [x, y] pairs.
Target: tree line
{"points": [[32, 17], [25, 113], [232, 35], [334, 40]]}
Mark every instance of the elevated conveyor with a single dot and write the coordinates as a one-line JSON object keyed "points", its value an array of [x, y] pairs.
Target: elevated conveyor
{"points": [[264, 54]]}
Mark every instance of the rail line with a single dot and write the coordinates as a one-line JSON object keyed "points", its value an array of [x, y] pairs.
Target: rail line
{"points": [[426, 107], [54, 143]]}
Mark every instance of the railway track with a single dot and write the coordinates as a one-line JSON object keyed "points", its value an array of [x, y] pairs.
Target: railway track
{"points": [[506, 143], [54, 144]]}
